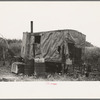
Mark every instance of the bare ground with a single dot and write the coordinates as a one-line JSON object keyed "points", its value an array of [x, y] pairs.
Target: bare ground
{"points": [[7, 76]]}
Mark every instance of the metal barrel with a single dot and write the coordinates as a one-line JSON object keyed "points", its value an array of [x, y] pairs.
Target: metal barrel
{"points": [[29, 67]]}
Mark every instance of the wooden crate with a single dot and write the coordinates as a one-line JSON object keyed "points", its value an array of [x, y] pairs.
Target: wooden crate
{"points": [[39, 69], [17, 67]]}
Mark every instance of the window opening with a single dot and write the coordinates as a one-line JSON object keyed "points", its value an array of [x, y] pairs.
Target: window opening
{"points": [[37, 39]]}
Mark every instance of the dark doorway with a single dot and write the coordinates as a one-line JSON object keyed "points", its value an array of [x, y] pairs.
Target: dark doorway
{"points": [[71, 49]]}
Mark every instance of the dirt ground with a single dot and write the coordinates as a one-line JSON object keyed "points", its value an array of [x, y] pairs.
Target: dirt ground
{"points": [[7, 76]]}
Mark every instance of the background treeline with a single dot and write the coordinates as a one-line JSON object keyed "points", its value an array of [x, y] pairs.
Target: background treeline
{"points": [[15, 46], [92, 56], [9, 48], [92, 53]]}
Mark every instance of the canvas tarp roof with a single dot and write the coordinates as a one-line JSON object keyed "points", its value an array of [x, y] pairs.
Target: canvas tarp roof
{"points": [[51, 40]]}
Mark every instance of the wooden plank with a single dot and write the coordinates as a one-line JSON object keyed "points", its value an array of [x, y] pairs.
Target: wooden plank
{"points": [[25, 50]]}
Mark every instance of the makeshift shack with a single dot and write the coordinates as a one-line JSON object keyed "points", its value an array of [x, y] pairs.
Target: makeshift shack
{"points": [[53, 47]]}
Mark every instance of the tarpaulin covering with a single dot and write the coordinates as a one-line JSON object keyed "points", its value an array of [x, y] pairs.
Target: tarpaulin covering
{"points": [[52, 43]]}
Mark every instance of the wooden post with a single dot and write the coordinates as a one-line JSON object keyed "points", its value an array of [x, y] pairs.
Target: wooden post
{"points": [[73, 64], [63, 59], [3, 56], [34, 50]]}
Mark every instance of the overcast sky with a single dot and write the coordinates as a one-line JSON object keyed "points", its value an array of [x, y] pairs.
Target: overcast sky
{"points": [[83, 16]]}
